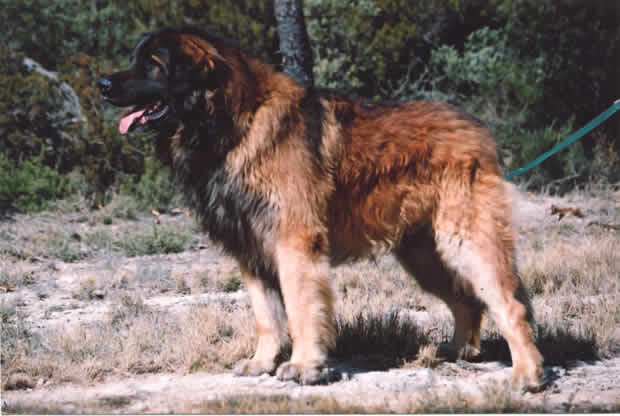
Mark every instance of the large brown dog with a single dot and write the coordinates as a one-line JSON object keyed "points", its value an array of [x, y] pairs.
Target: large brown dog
{"points": [[292, 180]]}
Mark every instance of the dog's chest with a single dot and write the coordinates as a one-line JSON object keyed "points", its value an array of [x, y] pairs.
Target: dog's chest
{"points": [[242, 221]]}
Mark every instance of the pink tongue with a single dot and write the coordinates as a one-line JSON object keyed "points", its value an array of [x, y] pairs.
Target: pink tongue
{"points": [[128, 119]]}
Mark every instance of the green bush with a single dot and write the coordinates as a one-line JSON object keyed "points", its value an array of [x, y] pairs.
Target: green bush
{"points": [[529, 144], [53, 32], [519, 65], [154, 189], [29, 185], [82, 41], [35, 118], [372, 47], [161, 240]]}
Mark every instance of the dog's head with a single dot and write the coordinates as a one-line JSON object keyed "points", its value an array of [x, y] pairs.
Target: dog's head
{"points": [[172, 75]]}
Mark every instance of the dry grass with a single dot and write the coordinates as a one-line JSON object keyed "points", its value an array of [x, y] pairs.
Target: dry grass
{"points": [[576, 289], [275, 405], [496, 398], [77, 234], [132, 340], [572, 270]]}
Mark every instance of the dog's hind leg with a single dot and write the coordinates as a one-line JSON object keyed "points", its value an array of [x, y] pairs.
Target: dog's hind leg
{"points": [[303, 271], [270, 325], [473, 235], [418, 255]]}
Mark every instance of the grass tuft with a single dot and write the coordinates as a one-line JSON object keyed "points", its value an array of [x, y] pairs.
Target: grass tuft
{"points": [[159, 240]]}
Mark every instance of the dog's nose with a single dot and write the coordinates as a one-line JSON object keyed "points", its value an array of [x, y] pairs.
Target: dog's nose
{"points": [[105, 85]]}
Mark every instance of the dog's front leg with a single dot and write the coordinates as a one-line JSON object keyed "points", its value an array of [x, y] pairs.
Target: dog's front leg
{"points": [[270, 318], [303, 272]]}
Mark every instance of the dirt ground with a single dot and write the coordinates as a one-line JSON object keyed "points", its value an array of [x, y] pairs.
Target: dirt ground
{"points": [[71, 278]]}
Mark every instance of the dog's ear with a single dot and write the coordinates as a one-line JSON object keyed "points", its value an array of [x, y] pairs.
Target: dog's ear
{"points": [[212, 57], [203, 54]]}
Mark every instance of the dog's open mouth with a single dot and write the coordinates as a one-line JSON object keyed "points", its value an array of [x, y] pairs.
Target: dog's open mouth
{"points": [[141, 116]]}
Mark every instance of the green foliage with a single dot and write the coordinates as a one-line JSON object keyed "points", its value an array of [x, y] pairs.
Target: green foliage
{"points": [[232, 285], [29, 185], [519, 65], [160, 240], [52, 32], [63, 248], [490, 80], [107, 153], [578, 43], [487, 67], [154, 189], [48, 129], [530, 144], [364, 45], [33, 116], [99, 240], [66, 35]]}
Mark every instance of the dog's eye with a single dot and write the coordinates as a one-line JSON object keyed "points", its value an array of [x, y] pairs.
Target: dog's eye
{"points": [[156, 64], [155, 68]]}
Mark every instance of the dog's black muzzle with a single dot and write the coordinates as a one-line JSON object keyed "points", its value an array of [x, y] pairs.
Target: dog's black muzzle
{"points": [[128, 92]]}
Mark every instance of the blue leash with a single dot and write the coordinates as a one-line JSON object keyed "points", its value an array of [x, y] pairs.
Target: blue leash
{"points": [[568, 141]]}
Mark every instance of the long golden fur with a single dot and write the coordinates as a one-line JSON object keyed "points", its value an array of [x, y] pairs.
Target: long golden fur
{"points": [[292, 181]]}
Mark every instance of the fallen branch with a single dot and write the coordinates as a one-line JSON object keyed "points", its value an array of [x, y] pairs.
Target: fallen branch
{"points": [[564, 211], [608, 226]]}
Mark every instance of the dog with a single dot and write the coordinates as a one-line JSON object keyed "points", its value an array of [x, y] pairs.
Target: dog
{"points": [[292, 180]]}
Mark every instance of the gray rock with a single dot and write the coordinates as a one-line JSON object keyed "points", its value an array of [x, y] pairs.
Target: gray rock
{"points": [[70, 110]]}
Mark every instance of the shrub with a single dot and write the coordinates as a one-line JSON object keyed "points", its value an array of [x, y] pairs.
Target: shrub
{"points": [[566, 166], [372, 48], [30, 185], [44, 123], [161, 240], [154, 189]]}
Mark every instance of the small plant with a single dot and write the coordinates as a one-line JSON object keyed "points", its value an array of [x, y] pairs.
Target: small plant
{"points": [[128, 309], [99, 240], [17, 339], [160, 240], [6, 278], [62, 248], [123, 207], [232, 285], [154, 191], [7, 312]]}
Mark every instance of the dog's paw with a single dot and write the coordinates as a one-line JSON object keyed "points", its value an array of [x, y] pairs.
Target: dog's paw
{"points": [[253, 368], [533, 383], [303, 374], [450, 352]]}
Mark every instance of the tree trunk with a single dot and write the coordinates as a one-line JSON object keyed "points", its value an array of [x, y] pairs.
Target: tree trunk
{"points": [[294, 42]]}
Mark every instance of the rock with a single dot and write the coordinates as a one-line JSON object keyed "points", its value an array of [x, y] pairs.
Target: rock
{"points": [[98, 294], [70, 110], [19, 381], [46, 115]]}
